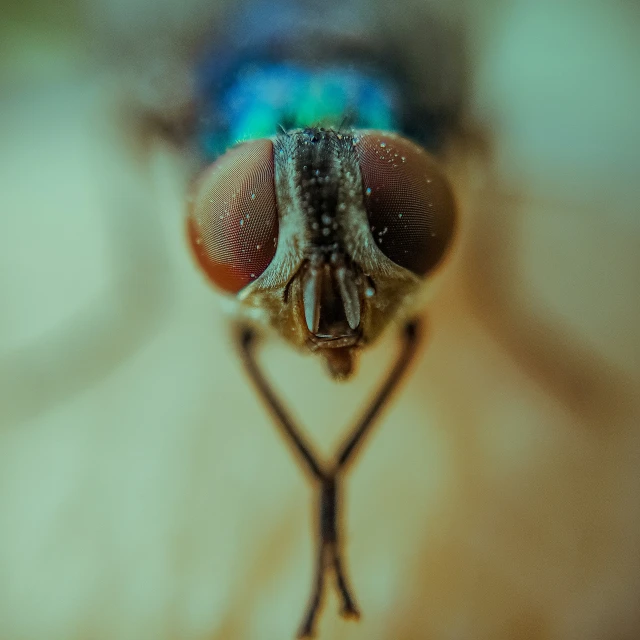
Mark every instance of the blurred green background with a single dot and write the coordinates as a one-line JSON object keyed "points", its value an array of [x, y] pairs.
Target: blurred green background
{"points": [[143, 490]]}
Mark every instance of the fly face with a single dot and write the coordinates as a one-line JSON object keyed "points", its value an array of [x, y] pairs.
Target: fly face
{"points": [[325, 235]]}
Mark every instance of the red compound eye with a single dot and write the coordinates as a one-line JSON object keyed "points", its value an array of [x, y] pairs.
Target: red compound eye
{"points": [[233, 218], [408, 201]]}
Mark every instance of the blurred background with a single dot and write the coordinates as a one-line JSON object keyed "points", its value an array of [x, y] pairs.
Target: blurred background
{"points": [[143, 490]]}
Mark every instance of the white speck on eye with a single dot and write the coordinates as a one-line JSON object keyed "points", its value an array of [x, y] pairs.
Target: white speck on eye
{"points": [[429, 181], [369, 292], [241, 222], [258, 247], [253, 275], [326, 219], [253, 196], [326, 231], [368, 191], [383, 144], [399, 215], [342, 206], [403, 159], [198, 240]]}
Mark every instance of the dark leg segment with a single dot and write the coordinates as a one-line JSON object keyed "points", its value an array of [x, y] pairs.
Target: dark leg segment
{"points": [[309, 622], [410, 339], [329, 480], [349, 608], [292, 433]]}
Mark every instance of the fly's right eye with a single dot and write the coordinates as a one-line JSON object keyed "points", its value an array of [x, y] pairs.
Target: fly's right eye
{"points": [[409, 202], [233, 217]]}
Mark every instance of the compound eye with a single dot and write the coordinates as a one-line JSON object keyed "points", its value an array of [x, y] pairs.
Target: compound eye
{"points": [[233, 219], [408, 200]]}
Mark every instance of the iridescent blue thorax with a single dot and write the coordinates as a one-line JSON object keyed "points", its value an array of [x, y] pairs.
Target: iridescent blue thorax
{"points": [[292, 64], [263, 97]]}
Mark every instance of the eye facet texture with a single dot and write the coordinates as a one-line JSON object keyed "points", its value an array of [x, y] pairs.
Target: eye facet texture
{"points": [[233, 217], [408, 200]]}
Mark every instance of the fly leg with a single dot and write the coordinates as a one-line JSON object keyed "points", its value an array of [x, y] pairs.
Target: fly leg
{"points": [[247, 343], [329, 543], [309, 620], [330, 489], [328, 558], [309, 462], [411, 335], [330, 534]]}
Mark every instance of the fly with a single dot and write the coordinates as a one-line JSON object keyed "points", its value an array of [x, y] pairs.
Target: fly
{"points": [[324, 222]]}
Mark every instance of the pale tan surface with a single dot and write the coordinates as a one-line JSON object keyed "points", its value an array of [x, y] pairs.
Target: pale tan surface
{"points": [[143, 490]]}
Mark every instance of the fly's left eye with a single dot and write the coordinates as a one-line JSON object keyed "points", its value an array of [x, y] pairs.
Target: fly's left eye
{"points": [[408, 200], [233, 218]]}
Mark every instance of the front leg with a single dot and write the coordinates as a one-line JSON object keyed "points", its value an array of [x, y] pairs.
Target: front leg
{"points": [[246, 339], [329, 481]]}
